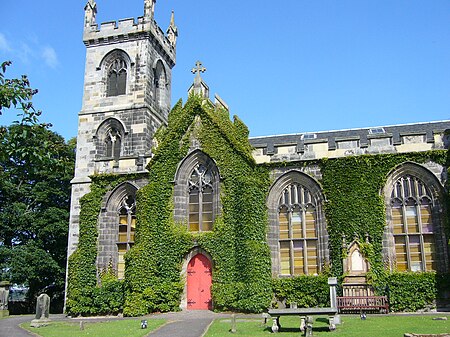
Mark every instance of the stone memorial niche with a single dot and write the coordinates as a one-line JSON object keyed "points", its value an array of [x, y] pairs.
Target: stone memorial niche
{"points": [[4, 296], [42, 311], [356, 267]]}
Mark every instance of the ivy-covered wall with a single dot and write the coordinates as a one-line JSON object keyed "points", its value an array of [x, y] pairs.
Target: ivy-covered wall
{"points": [[241, 258], [355, 204], [242, 277], [83, 277]]}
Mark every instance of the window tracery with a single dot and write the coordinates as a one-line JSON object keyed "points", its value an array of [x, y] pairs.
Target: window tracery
{"points": [[412, 225], [113, 142], [126, 233], [117, 78], [298, 232], [200, 199]]}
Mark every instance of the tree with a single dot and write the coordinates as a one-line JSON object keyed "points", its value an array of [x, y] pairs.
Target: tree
{"points": [[17, 93], [35, 175], [36, 166]]}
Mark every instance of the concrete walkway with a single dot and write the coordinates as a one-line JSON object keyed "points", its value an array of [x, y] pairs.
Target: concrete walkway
{"points": [[9, 327], [185, 323], [178, 324]]}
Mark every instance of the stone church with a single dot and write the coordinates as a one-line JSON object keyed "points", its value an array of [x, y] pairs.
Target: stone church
{"points": [[185, 211]]}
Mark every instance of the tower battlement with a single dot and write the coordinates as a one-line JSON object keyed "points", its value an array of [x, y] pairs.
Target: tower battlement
{"points": [[128, 29]]}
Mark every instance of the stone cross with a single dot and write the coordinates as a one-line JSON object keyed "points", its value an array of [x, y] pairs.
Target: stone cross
{"points": [[198, 69]]}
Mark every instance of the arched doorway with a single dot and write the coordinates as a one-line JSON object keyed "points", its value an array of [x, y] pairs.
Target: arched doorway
{"points": [[199, 280]]}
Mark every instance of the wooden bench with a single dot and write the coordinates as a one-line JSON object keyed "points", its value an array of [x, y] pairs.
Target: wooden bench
{"points": [[305, 316], [363, 303]]}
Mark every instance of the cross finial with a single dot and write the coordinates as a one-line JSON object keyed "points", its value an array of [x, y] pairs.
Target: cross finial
{"points": [[198, 69]]}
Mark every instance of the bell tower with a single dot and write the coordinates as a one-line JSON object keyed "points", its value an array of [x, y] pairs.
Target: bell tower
{"points": [[127, 92]]}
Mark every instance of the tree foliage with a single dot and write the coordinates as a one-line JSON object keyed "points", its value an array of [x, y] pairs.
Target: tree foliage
{"points": [[17, 93], [36, 166]]}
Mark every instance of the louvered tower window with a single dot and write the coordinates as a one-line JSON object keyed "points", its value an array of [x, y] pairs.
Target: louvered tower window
{"points": [[113, 142], [117, 78]]}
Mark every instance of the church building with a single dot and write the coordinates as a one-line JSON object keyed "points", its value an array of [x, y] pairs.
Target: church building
{"points": [[179, 209]]}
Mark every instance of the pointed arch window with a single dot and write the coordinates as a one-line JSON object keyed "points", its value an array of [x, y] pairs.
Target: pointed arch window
{"points": [[412, 225], [117, 78], [201, 196], [298, 232], [127, 227], [113, 143], [160, 82]]}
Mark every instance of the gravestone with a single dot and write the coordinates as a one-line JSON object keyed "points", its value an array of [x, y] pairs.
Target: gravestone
{"points": [[42, 311], [4, 295]]}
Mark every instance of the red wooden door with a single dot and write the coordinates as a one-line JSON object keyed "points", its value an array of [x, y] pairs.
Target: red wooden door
{"points": [[199, 280]]}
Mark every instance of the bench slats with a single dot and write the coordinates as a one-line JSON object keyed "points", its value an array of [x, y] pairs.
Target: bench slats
{"points": [[363, 302]]}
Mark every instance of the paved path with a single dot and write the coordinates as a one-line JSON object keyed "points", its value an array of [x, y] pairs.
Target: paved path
{"points": [[179, 324], [185, 324], [9, 327]]}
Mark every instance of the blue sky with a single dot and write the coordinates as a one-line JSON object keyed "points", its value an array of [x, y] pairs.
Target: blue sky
{"points": [[283, 66]]}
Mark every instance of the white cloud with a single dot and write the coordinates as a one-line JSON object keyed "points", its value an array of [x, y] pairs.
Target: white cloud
{"points": [[50, 57], [25, 53], [4, 44]]}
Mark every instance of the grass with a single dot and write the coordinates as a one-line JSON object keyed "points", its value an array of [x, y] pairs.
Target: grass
{"points": [[117, 328], [352, 326]]}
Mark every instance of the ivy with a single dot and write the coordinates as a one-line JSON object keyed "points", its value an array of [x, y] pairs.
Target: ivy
{"points": [[354, 207], [306, 291], [354, 203], [82, 275], [237, 244], [414, 291]]}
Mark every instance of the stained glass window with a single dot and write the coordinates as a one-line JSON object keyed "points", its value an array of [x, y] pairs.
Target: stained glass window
{"points": [[298, 234], [201, 200], [413, 231], [127, 227]]}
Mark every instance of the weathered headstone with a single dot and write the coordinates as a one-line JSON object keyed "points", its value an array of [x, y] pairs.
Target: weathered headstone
{"points": [[4, 295], [42, 311]]}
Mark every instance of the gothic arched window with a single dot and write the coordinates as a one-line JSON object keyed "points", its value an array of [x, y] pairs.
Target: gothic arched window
{"points": [[127, 226], [298, 232], [109, 139], [412, 225], [200, 200], [160, 82], [117, 78], [197, 192], [113, 143]]}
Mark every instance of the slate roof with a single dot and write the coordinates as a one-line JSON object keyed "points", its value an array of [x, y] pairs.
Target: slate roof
{"points": [[363, 135]]}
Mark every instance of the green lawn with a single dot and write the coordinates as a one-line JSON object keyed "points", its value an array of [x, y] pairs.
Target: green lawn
{"points": [[352, 326], [118, 328]]}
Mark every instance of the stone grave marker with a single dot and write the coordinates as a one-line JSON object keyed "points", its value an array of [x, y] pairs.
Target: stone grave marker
{"points": [[42, 311]]}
